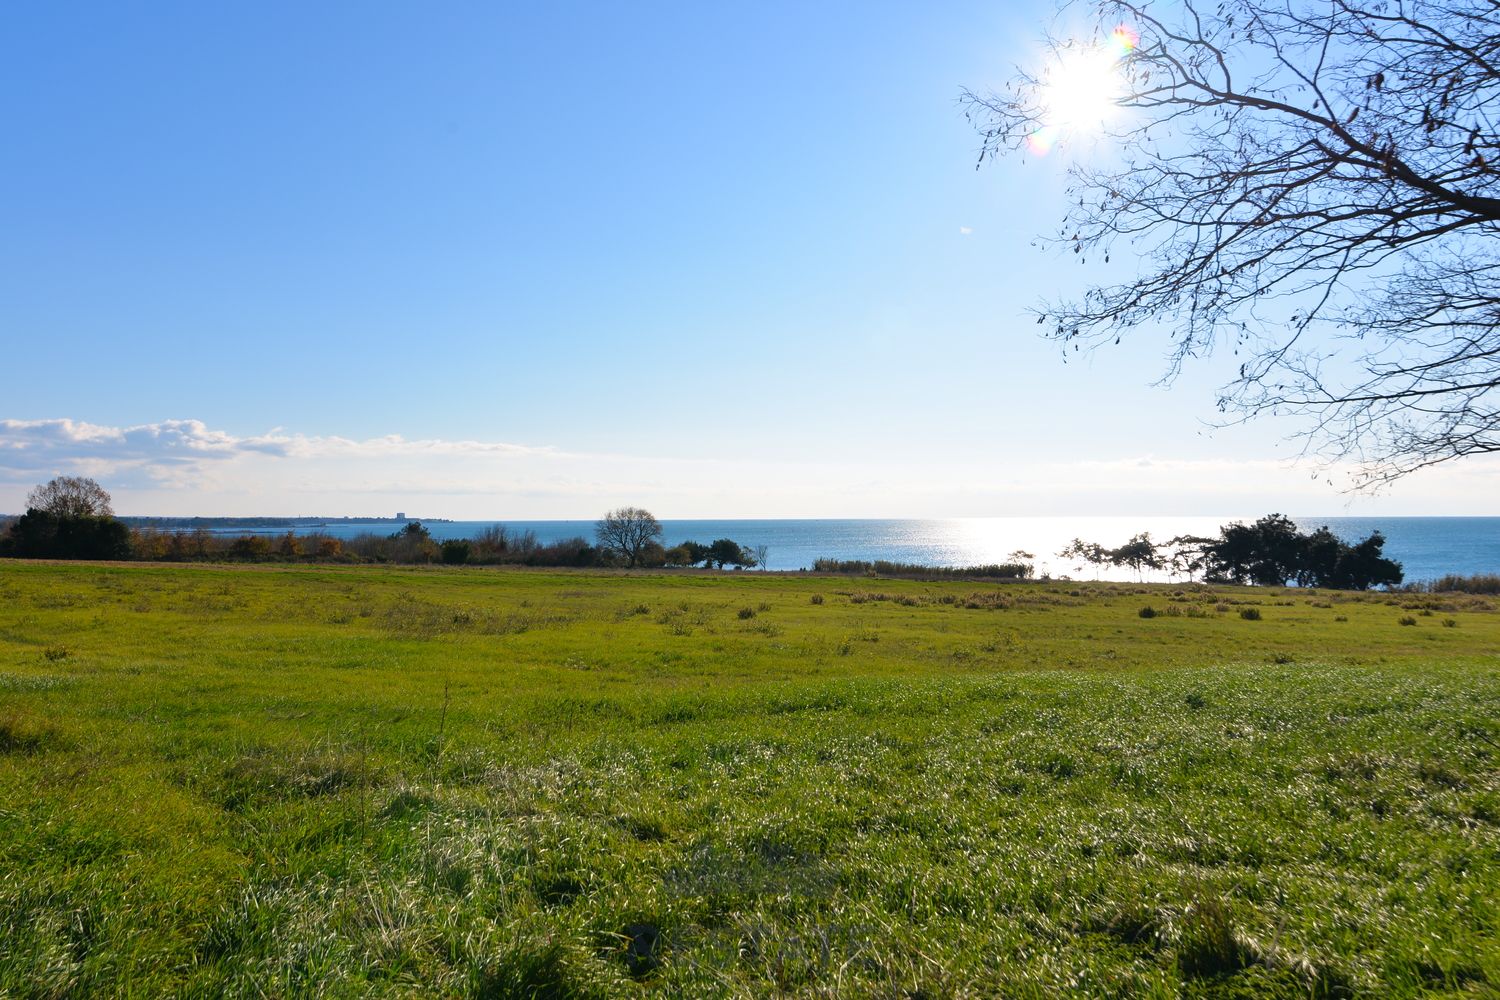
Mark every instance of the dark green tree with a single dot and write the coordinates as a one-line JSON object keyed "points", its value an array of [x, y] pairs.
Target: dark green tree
{"points": [[39, 534], [69, 517], [1268, 552], [1273, 552], [727, 552], [1140, 554]]}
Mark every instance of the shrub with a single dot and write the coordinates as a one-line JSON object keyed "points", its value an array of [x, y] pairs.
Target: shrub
{"points": [[816, 599], [679, 555], [1407, 620], [1250, 614], [884, 567], [1147, 612], [1481, 583], [746, 613], [456, 551], [249, 547]]}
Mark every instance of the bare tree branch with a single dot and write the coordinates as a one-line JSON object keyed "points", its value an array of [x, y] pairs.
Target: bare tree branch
{"points": [[1315, 184]]}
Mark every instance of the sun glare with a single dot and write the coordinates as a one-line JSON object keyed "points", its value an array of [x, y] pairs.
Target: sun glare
{"points": [[1081, 89]]}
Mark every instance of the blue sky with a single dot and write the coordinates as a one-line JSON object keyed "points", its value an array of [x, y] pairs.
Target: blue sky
{"points": [[472, 260]]}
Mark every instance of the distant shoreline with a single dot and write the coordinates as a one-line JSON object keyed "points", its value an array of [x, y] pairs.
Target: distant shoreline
{"points": [[222, 523]]}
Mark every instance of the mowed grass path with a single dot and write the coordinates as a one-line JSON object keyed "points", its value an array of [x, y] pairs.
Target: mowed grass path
{"points": [[292, 781]]}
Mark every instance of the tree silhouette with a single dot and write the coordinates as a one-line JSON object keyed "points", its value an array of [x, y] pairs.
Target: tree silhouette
{"points": [[71, 496], [1312, 185], [627, 531]]}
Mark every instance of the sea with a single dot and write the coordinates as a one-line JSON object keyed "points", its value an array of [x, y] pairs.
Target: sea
{"points": [[1426, 547]]}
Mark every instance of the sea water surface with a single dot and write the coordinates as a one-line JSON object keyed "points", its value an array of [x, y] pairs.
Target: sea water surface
{"points": [[1427, 547]]}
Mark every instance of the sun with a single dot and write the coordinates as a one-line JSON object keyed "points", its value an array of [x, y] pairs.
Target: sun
{"points": [[1081, 90]]}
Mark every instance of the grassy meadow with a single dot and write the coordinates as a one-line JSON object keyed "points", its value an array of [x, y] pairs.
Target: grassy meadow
{"points": [[352, 781]]}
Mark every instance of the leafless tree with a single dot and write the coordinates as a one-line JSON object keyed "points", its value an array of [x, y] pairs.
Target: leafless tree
{"points": [[1313, 185], [627, 531], [71, 496], [762, 556]]}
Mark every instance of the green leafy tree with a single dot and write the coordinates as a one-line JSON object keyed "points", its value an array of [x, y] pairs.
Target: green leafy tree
{"points": [[1140, 554], [727, 552], [1269, 552], [1080, 551], [68, 518], [1273, 552], [413, 544], [39, 534]]}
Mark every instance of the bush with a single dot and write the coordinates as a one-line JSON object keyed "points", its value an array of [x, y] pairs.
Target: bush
{"points": [[1250, 614], [679, 555], [883, 567], [1147, 612], [816, 599], [1407, 620], [1482, 583], [249, 547], [455, 551], [491, 542], [746, 613], [568, 552], [652, 556]]}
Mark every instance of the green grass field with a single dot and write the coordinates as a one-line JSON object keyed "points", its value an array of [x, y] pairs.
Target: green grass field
{"points": [[376, 781]]}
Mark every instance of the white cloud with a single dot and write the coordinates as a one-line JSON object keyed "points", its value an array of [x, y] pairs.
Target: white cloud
{"points": [[965, 230], [30, 448], [186, 467], [43, 442]]}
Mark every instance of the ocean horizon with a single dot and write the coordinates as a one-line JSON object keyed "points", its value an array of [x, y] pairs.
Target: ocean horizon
{"points": [[1427, 547]]}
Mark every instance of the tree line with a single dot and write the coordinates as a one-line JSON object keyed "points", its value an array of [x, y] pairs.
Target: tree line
{"points": [[73, 518], [1273, 551]]}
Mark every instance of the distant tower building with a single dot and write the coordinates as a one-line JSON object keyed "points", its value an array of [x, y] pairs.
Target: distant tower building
{"points": [[400, 516]]}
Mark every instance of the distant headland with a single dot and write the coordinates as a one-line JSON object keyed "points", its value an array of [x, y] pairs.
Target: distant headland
{"points": [[252, 523]]}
